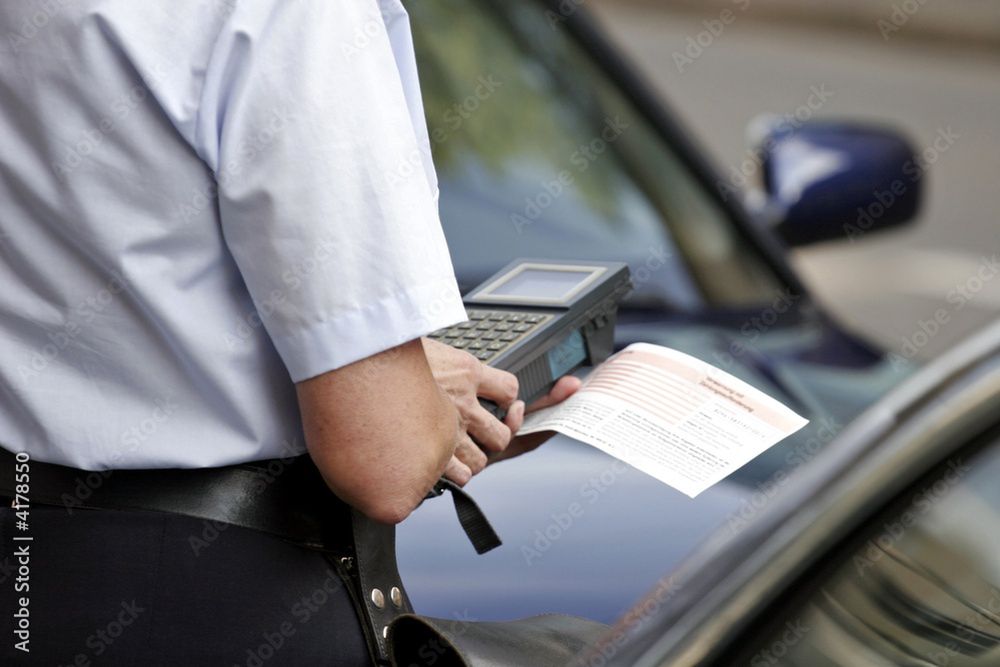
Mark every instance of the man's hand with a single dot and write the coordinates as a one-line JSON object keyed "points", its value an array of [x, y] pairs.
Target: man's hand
{"points": [[565, 387], [483, 439], [465, 379]]}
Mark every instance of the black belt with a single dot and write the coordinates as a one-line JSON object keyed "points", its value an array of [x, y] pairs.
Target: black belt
{"points": [[282, 497], [286, 498]]}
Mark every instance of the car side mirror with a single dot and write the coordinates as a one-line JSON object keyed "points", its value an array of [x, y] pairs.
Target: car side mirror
{"points": [[835, 180]]}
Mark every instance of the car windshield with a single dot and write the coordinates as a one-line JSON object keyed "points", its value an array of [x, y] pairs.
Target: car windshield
{"points": [[539, 155]]}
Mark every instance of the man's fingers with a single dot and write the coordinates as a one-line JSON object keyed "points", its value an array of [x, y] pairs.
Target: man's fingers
{"points": [[515, 416], [521, 445], [491, 434], [457, 472], [498, 386], [563, 389], [472, 456]]}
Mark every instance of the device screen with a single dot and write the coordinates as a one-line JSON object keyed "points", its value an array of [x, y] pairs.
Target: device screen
{"points": [[541, 283], [568, 354]]}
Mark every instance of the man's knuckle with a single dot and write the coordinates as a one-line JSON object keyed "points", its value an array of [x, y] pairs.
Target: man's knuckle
{"points": [[503, 433], [512, 389], [467, 403], [479, 461], [471, 365]]}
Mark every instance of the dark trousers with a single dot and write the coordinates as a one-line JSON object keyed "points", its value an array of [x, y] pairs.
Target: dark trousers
{"points": [[145, 588]]}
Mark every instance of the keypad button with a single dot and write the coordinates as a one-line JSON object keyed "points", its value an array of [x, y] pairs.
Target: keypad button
{"points": [[483, 324], [483, 355], [503, 326], [515, 317], [472, 335], [477, 315], [476, 345], [490, 335], [521, 328], [533, 319], [466, 325], [508, 336], [495, 346], [496, 316], [460, 344]]}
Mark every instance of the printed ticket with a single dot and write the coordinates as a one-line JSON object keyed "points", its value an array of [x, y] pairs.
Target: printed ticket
{"points": [[677, 418]]}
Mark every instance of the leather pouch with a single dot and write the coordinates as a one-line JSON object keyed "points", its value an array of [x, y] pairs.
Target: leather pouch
{"points": [[552, 640]]}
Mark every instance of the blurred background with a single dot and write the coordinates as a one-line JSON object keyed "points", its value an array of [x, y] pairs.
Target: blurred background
{"points": [[931, 69]]}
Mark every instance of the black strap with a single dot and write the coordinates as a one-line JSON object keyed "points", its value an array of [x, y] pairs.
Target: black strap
{"points": [[475, 524], [286, 498]]}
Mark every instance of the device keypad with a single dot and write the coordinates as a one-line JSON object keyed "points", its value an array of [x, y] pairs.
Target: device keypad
{"points": [[488, 333]]}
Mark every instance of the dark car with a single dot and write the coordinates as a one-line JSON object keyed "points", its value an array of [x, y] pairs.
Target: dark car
{"points": [[548, 145]]}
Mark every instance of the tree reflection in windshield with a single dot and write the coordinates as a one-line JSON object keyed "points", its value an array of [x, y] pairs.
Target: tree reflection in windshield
{"points": [[538, 155]]}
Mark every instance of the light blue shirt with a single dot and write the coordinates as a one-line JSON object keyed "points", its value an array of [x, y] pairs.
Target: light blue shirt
{"points": [[202, 202]]}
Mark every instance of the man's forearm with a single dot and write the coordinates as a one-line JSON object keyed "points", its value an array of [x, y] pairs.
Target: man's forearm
{"points": [[380, 430]]}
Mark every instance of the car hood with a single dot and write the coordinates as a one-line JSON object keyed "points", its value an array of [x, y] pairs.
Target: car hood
{"points": [[585, 534]]}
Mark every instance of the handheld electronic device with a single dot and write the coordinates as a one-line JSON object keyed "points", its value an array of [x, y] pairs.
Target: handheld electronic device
{"points": [[541, 319]]}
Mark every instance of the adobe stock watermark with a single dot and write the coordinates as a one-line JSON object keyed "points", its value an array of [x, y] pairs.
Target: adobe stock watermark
{"points": [[452, 120], [893, 530], [824, 430], [657, 258], [301, 612], [562, 522], [432, 651], [958, 297], [103, 638], [362, 37], [739, 176], [119, 111], [900, 15], [632, 622], [32, 25], [696, 45], [757, 325], [75, 324], [129, 440], [211, 530], [292, 278], [972, 627], [913, 170], [564, 10], [246, 151], [580, 160], [455, 116], [774, 653]]}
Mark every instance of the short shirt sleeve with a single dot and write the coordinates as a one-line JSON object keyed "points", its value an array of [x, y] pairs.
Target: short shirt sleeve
{"points": [[311, 120]]}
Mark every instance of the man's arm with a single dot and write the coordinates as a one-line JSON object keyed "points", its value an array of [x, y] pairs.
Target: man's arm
{"points": [[380, 430]]}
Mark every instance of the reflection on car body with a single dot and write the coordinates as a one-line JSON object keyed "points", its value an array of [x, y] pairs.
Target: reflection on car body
{"points": [[527, 170]]}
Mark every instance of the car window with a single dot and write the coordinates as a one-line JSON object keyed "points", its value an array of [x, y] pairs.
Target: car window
{"points": [[922, 589], [539, 154]]}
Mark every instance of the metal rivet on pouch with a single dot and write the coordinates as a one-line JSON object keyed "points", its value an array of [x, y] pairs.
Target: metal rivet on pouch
{"points": [[378, 598]]}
